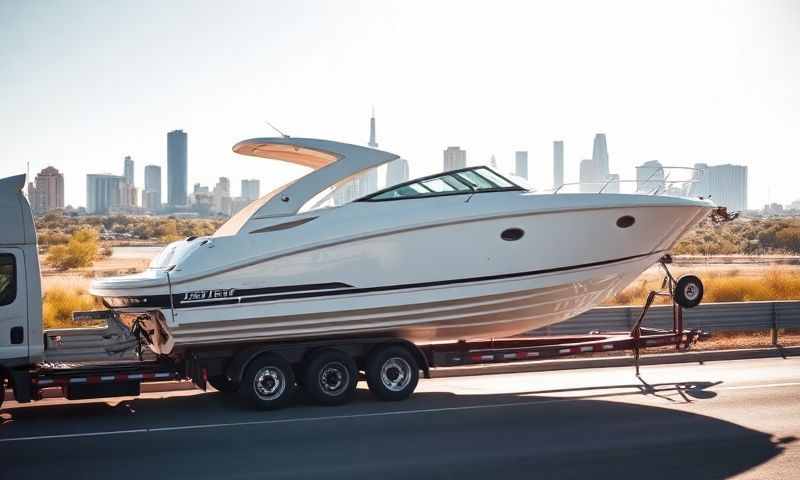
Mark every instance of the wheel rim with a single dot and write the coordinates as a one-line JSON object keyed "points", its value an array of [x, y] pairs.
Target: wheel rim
{"points": [[334, 378], [395, 374], [691, 292], [269, 383]]}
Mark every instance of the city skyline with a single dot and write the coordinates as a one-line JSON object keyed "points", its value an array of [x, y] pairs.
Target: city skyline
{"points": [[687, 99]]}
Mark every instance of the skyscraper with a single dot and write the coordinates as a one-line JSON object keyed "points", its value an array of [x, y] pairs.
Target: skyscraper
{"points": [[558, 163], [129, 170], [251, 189], [493, 162], [397, 171], [650, 176], [588, 176], [725, 184], [47, 191], [454, 158], [103, 192], [600, 155], [177, 168], [222, 195], [372, 142], [151, 196], [521, 164]]}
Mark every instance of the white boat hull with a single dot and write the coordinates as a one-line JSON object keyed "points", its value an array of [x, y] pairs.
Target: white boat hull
{"points": [[493, 308], [436, 282]]}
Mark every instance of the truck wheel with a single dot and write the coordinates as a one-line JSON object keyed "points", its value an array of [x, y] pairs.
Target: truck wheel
{"points": [[392, 373], [330, 377], [223, 384], [268, 382], [688, 291], [2, 389]]}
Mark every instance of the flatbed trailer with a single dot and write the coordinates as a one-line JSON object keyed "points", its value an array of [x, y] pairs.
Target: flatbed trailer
{"points": [[225, 367]]}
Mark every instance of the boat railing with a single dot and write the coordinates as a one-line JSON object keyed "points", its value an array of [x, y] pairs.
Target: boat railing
{"points": [[661, 181]]}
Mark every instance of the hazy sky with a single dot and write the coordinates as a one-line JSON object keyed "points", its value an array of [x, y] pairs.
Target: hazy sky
{"points": [[85, 83]]}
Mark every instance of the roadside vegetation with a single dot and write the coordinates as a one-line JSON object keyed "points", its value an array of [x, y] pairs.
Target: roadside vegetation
{"points": [[744, 236], [79, 251], [57, 229], [720, 287], [64, 296]]}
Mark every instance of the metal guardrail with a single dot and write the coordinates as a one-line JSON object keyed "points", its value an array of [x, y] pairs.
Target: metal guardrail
{"points": [[710, 317]]}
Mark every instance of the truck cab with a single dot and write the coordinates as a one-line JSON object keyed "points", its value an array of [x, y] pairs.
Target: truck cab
{"points": [[21, 336]]}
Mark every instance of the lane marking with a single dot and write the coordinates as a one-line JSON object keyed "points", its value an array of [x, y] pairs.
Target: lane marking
{"points": [[343, 417]]}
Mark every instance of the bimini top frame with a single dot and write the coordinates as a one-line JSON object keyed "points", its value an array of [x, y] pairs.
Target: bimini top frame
{"points": [[333, 162]]}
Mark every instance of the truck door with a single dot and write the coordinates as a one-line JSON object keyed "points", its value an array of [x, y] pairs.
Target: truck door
{"points": [[13, 306]]}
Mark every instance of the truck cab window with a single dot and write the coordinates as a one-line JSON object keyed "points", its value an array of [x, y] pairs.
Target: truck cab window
{"points": [[8, 279]]}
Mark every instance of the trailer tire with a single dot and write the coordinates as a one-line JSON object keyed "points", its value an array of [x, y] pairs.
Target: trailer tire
{"points": [[223, 384], [392, 373], [688, 291], [330, 377], [268, 382]]}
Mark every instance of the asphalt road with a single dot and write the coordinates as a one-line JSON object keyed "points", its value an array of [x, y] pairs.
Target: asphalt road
{"points": [[718, 420]]}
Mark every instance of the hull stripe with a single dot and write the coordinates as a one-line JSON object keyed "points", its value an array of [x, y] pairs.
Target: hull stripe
{"points": [[269, 294]]}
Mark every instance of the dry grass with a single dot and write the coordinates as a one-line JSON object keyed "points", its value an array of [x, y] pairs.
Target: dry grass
{"points": [[61, 298], [723, 286]]}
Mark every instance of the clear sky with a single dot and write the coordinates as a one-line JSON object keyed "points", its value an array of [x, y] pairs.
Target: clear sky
{"points": [[85, 83]]}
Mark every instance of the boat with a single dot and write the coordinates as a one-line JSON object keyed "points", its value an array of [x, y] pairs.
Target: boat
{"points": [[459, 255]]}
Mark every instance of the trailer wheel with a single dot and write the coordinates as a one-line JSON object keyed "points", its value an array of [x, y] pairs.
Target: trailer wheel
{"points": [[268, 382], [330, 377], [223, 384], [688, 291], [392, 373]]}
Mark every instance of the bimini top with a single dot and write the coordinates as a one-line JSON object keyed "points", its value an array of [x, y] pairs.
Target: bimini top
{"points": [[333, 162]]}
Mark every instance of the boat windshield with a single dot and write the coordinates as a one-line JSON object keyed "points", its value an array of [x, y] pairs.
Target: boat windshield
{"points": [[454, 182]]}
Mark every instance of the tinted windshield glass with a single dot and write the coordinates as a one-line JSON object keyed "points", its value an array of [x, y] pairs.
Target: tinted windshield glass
{"points": [[468, 180]]}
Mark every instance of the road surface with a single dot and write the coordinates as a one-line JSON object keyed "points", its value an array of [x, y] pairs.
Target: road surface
{"points": [[718, 420]]}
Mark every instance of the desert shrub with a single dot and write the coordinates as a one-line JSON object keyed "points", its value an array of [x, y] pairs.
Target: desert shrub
{"points": [[79, 252], [59, 302], [773, 284]]}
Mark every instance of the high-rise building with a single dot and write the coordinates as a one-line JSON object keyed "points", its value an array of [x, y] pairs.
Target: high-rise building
{"points": [[397, 171], [589, 176], [493, 162], [103, 192], [129, 170], [600, 155], [372, 142], [151, 196], [47, 191], [650, 177], [611, 185], [521, 164], [222, 195], [177, 168], [454, 158], [251, 189], [558, 163], [367, 182], [725, 184]]}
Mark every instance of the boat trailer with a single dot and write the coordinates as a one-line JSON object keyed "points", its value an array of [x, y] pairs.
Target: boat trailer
{"points": [[685, 292]]}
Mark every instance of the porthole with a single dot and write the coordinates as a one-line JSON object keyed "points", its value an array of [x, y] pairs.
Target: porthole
{"points": [[625, 221], [512, 234]]}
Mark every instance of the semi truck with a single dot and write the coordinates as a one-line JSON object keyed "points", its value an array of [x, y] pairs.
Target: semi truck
{"points": [[112, 359]]}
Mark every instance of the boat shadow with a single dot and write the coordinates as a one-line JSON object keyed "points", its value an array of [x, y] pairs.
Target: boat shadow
{"points": [[556, 433]]}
